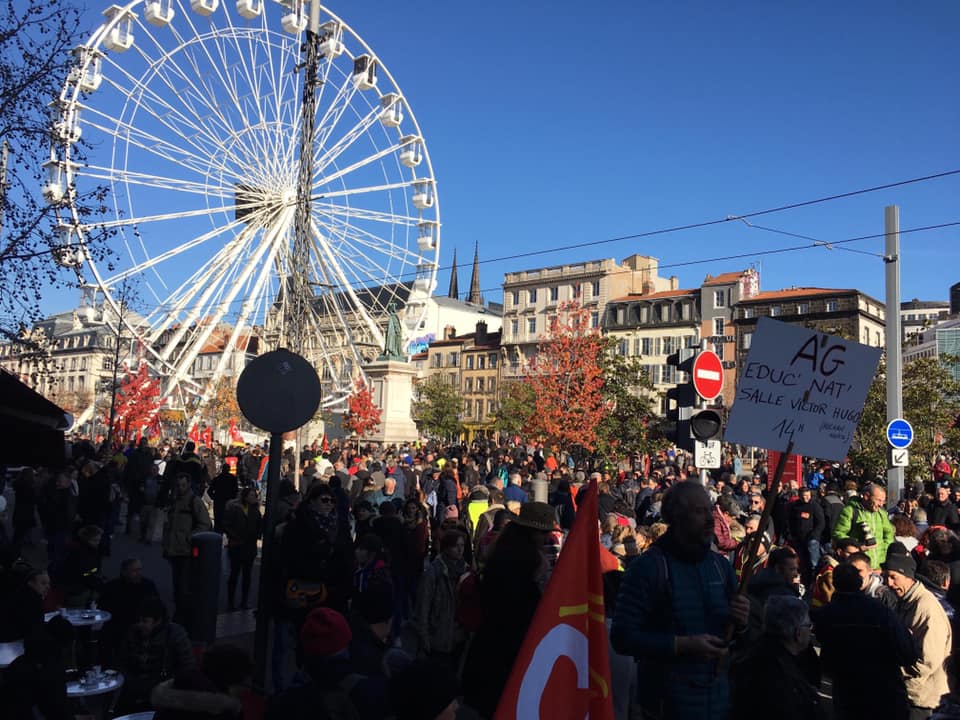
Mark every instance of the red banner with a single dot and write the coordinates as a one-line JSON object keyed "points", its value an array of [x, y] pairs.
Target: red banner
{"points": [[194, 434], [207, 436], [792, 471], [563, 669], [235, 437]]}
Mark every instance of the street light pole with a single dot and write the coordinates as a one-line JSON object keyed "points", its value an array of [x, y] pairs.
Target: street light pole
{"points": [[891, 259]]}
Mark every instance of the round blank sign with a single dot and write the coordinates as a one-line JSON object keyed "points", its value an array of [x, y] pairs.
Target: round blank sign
{"points": [[278, 391]]}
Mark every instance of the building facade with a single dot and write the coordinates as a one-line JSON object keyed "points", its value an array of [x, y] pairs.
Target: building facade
{"points": [[942, 340], [532, 297], [655, 325], [847, 313], [917, 315]]}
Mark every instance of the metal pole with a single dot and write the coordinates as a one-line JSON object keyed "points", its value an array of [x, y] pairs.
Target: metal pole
{"points": [[891, 258], [266, 553], [702, 405], [116, 361]]}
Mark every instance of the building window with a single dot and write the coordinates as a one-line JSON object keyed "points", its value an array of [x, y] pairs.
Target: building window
{"points": [[636, 346], [720, 298], [554, 294], [467, 408], [81, 381], [493, 359], [831, 305], [515, 298], [491, 385], [877, 335], [866, 336], [514, 328], [595, 289], [594, 319], [646, 346], [469, 361], [481, 362], [108, 363], [531, 326], [718, 349], [479, 409], [435, 361], [73, 363], [621, 315], [468, 385], [479, 384], [775, 311], [718, 327], [491, 407], [745, 340], [453, 360], [452, 379], [747, 313], [70, 382], [623, 347], [803, 308], [532, 296], [668, 345]]}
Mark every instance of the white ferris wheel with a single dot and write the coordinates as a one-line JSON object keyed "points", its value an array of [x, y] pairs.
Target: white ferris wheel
{"points": [[189, 113]]}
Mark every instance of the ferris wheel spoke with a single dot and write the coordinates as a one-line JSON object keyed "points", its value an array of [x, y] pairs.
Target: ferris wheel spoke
{"points": [[358, 165], [159, 182], [359, 129], [248, 305], [345, 213], [127, 222], [355, 234], [331, 116], [329, 259], [272, 240], [361, 190], [172, 253], [181, 306]]}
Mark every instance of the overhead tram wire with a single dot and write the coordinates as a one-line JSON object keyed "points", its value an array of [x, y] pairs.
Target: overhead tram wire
{"points": [[816, 244]]}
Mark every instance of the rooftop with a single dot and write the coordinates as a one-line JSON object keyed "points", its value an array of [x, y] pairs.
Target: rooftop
{"points": [[797, 293], [656, 296]]}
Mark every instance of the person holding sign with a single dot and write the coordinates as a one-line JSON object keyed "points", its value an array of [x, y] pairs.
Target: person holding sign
{"points": [[865, 520]]}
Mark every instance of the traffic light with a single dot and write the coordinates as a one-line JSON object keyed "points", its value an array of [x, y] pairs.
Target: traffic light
{"points": [[706, 425], [681, 400]]}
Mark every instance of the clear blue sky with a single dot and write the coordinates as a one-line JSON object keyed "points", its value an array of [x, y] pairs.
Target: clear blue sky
{"points": [[555, 123]]}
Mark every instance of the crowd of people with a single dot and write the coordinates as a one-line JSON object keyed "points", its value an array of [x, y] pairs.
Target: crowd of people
{"points": [[401, 581]]}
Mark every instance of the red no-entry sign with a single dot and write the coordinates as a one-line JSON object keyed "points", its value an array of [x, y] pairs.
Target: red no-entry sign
{"points": [[708, 375]]}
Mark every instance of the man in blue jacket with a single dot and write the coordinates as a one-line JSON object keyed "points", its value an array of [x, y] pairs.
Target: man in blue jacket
{"points": [[675, 604]]}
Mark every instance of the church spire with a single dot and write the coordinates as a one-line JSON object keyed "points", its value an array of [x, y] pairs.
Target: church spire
{"points": [[474, 296], [454, 291]]}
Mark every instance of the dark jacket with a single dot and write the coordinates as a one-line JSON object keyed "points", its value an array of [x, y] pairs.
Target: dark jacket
{"points": [[146, 661], [223, 489], [806, 522], [831, 504], [58, 510], [769, 683], [666, 592], [191, 696], [79, 575], [122, 599], [35, 685], [765, 583], [943, 514], [242, 528], [21, 611], [864, 646]]}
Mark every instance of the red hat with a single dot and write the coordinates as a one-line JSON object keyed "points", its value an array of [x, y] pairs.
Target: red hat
{"points": [[325, 633]]}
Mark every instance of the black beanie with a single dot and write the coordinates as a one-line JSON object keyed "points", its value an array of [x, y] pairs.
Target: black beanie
{"points": [[900, 560]]}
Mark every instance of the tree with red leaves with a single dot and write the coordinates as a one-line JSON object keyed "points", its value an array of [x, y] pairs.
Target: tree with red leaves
{"points": [[137, 402], [362, 416], [567, 381]]}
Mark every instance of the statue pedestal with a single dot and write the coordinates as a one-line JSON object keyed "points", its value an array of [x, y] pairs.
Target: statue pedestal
{"points": [[392, 385]]}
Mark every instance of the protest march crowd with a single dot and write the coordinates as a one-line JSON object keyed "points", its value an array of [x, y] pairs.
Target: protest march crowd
{"points": [[403, 580]]}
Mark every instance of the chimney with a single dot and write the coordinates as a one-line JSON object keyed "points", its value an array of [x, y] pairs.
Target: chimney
{"points": [[481, 336], [448, 332]]}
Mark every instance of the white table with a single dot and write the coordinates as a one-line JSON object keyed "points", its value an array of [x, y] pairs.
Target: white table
{"points": [[78, 617], [110, 682], [10, 651]]}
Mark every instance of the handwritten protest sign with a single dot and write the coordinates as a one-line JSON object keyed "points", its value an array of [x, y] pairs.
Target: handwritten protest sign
{"points": [[801, 385]]}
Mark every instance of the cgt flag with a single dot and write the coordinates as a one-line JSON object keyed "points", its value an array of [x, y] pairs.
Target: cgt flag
{"points": [[235, 437], [207, 436], [194, 434], [563, 669]]}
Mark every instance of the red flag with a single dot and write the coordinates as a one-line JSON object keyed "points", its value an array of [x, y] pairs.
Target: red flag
{"points": [[235, 437], [563, 669], [325, 445], [207, 436], [194, 434]]}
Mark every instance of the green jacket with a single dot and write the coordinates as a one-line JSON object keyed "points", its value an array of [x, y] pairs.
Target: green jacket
{"points": [[848, 526]]}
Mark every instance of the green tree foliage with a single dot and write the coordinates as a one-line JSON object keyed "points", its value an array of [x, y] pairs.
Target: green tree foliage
{"points": [[629, 395], [931, 403], [517, 404], [436, 409]]}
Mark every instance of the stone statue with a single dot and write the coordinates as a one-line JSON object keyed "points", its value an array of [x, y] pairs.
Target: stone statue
{"points": [[393, 349]]}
